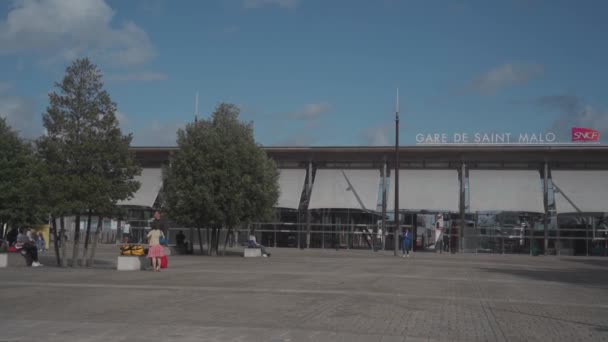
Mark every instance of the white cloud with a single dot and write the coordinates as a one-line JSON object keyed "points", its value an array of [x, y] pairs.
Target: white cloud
{"points": [[573, 112], [4, 86], [382, 135], [286, 4], [506, 75], [231, 29], [20, 114], [156, 133], [138, 76], [123, 119], [311, 111], [151, 7], [301, 139], [593, 118], [65, 29]]}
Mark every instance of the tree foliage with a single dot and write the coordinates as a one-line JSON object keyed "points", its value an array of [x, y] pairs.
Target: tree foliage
{"points": [[86, 154], [21, 181], [219, 177]]}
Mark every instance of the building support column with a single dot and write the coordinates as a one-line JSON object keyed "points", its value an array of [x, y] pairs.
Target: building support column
{"points": [[546, 202], [384, 197], [463, 178], [277, 218], [309, 192]]}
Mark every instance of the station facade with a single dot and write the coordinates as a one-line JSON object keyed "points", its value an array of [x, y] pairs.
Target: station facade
{"points": [[526, 199]]}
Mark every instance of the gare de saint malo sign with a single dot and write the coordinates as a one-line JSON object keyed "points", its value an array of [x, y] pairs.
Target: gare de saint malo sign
{"points": [[579, 135]]}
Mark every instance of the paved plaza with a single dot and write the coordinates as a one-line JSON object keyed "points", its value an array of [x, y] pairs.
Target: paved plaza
{"points": [[311, 295]]}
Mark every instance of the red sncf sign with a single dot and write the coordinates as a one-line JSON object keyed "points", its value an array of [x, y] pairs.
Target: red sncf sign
{"points": [[585, 134]]}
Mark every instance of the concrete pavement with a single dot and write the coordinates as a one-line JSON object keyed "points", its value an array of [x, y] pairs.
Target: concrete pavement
{"points": [[315, 295]]}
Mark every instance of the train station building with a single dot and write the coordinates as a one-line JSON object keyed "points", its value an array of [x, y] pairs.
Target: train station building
{"points": [[495, 198]]}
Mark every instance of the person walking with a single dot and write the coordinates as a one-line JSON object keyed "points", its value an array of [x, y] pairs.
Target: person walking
{"points": [[155, 250], [406, 243]]}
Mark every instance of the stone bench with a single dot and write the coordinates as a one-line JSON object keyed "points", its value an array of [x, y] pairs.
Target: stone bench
{"points": [[131, 263], [252, 252]]}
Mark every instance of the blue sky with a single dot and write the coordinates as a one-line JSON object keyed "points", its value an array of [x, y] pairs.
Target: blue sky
{"points": [[313, 72]]}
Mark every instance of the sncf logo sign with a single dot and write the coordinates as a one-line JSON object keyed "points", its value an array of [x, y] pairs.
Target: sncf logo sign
{"points": [[585, 134]]}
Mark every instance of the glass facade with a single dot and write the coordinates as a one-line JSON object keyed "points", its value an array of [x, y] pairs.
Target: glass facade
{"points": [[543, 230]]}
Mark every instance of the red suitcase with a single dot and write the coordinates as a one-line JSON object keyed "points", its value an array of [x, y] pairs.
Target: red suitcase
{"points": [[164, 262]]}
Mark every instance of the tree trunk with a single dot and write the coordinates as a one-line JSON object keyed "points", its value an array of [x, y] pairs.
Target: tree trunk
{"points": [[216, 244], [211, 239], [200, 241], [76, 242], [228, 234], [208, 241], [55, 239], [64, 242], [86, 239], [118, 232], [192, 240], [91, 258], [215, 238], [218, 235]]}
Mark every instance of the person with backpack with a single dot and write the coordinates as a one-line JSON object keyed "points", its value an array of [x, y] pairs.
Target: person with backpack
{"points": [[155, 251]]}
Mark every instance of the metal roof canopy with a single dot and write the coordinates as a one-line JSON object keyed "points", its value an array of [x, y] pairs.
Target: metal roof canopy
{"points": [[433, 190], [588, 190], [506, 190], [150, 183], [587, 155], [345, 189], [291, 183]]}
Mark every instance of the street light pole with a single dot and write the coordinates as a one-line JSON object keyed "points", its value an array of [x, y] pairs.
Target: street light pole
{"points": [[396, 229]]}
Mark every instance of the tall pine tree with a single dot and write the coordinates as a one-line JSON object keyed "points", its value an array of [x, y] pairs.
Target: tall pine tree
{"points": [[87, 156]]}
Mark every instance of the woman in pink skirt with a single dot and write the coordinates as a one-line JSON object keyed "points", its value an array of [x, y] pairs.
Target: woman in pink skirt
{"points": [[155, 250]]}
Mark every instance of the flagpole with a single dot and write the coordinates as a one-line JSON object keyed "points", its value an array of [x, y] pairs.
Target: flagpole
{"points": [[396, 229]]}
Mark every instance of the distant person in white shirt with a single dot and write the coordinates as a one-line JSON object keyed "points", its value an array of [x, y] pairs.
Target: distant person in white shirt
{"points": [[126, 231], [439, 233]]}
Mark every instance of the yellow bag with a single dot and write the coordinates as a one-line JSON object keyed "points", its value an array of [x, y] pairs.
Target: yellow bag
{"points": [[133, 250]]}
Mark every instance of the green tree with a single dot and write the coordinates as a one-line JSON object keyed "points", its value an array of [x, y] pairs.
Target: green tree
{"points": [[219, 177], [88, 159], [21, 177]]}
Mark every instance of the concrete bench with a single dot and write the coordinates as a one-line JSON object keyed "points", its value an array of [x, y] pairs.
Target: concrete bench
{"points": [[252, 252], [131, 263]]}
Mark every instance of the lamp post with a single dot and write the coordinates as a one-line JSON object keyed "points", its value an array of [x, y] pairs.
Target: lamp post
{"points": [[396, 229]]}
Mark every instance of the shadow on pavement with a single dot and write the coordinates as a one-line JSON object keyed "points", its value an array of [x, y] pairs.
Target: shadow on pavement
{"points": [[598, 327], [567, 276], [49, 260], [590, 262]]}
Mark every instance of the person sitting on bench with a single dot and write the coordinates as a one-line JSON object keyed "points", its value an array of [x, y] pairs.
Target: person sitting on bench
{"points": [[181, 243], [253, 244], [27, 248]]}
